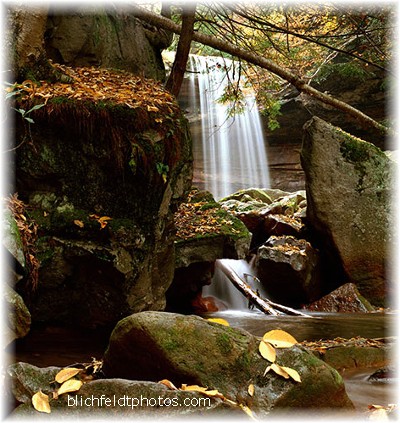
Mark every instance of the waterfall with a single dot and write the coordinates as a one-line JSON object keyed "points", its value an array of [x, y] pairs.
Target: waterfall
{"points": [[224, 290], [232, 148]]}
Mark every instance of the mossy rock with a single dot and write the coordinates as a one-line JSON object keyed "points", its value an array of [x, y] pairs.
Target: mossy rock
{"points": [[192, 350]]}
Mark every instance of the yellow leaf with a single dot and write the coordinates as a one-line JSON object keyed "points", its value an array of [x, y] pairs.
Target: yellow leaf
{"points": [[66, 374], [250, 389], [247, 410], [71, 385], [168, 384], [196, 388], [267, 351], [218, 320], [292, 373], [104, 218], [267, 370], [279, 370], [279, 338], [79, 223], [152, 109], [40, 402]]}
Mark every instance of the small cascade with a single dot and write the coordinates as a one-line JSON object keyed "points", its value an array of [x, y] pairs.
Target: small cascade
{"points": [[222, 289], [232, 148]]}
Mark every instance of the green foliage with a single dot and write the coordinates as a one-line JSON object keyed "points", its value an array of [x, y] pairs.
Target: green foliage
{"points": [[271, 109], [233, 97], [25, 113], [348, 70], [162, 170]]}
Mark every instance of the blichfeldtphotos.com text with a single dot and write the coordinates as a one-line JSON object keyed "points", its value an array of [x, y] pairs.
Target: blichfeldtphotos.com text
{"points": [[104, 401]]}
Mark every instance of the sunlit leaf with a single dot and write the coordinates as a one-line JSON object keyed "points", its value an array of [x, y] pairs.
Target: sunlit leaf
{"points": [[40, 402], [250, 389], [267, 351], [71, 385], [292, 373], [218, 320], [267, 370], [247, 410], [66, 374], [79, 223], [279, 370], [196, 388], [168, 384], [279, 338]]}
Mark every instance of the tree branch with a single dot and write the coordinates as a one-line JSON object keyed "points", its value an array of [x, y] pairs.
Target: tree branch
{"points": [[264, 63]]}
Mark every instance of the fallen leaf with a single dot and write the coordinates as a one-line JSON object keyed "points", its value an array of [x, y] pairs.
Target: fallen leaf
{"points": [[71, 385], [292, 373], [40, 402], [267, 351], [267, 370], [218, 320], [66, 374], [279, 370], [250, 389], [79, 223], [196, 388], [168, 384], [279, 338], [247, 410]]}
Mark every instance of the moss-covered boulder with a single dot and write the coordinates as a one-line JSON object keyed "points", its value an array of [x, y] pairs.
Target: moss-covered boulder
{"points": [[104, 397], [102, 176], [192, 350], [349, 184]]}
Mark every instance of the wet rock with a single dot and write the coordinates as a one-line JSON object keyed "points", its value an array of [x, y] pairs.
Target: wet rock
{"points": [[345, 299], [106, 397], [289, 270], [205, 233], [12, 241], [384, 375], [104, 212], [189, 349], [17, 316], [282, 214], [111, 39], [349, 183]]}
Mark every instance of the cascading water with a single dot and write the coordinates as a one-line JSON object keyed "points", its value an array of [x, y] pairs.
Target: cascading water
{"points": [[232, 148], [224, 290]]}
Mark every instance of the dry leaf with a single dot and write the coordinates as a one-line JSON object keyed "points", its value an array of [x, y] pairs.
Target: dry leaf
{"points": [[267, 351], [250, 389], [168, 384], [247, 410], [79, 223], [279, 370], [196, 388], [279, 338], [218, 320], [71, 385], [292, 373], [40, 402], [267, 370], [66, 374]]}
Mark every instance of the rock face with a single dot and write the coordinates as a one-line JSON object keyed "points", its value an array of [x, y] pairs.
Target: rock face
{"points": [[345, 299], [102, 185], [107, 38], [289, 270], [191, 350], [18, 317], [349, 183]]}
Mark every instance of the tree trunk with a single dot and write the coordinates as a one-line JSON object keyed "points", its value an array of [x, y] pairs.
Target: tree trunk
{"points": [[175, 79], [264, 63], [266, 306]]}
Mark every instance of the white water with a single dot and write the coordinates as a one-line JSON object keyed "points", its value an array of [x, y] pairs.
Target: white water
{"points": [[233, 149], [223, 289]]}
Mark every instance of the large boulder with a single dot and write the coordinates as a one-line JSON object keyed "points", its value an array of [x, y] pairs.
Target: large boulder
{"points": [[103, 187], [289, 269], [18, 318], [345, 299], [99, 398], [191, 350], [349, 183], [108, 38]]}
